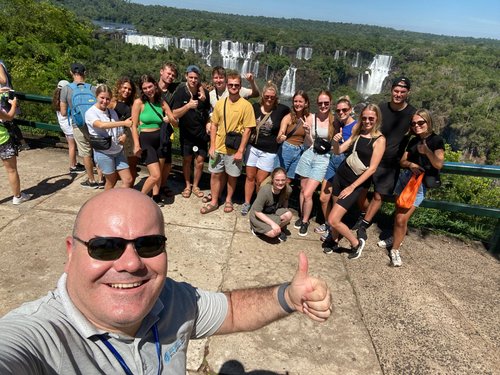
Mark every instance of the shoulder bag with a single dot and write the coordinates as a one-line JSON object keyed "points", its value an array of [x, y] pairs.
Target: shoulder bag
{"points": [[354, 162], [233, 139], [321, 146], [100, 143]]}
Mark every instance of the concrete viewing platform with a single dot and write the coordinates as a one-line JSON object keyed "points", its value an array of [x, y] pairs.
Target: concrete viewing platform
{"points": [[437, 314]]}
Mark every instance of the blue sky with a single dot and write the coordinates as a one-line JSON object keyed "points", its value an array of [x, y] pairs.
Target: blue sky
{"points": [[475, 18]]}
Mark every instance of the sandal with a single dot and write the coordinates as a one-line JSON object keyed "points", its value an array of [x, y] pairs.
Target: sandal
{"points": [[186, 193], [197, 192], [228, 207], [207, 198], [208, 208]]}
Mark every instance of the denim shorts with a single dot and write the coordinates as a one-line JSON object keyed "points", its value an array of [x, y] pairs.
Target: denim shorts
{"points": [[333, 165], [288, 157], [109, 164], [260, 159], [403, 179], [313, 165]]}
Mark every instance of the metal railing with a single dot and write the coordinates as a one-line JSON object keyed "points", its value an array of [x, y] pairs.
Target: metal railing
{"points": [[464, 169]]}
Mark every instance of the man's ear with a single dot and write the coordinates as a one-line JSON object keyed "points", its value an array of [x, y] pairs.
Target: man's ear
{"points": [[69, 252]]}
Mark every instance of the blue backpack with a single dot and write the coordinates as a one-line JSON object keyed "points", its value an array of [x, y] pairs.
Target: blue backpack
{"points": [[82, 99]]}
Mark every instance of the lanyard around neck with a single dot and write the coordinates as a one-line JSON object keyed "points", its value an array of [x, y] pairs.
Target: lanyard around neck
{"points": [[120, 359]]}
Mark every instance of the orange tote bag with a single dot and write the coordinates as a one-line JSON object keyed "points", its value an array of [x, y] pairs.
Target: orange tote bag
{"points": [[409, 193]]}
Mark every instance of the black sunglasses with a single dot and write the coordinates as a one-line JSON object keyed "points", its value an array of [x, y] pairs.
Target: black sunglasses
{"points": [[112, 248]]}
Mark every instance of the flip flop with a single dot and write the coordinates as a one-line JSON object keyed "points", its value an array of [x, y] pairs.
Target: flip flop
{"points": [[228, 207], [208, 208], [186, 193], [207, 198], [197, 192]]}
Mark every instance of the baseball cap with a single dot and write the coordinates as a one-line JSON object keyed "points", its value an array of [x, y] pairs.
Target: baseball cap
{"points": [[193, 68], [77, 68], [62, 83], [402, 81]]}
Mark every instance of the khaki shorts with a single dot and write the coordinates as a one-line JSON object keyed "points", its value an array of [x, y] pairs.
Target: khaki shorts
{"points": [[81, 136], [225, 163]]}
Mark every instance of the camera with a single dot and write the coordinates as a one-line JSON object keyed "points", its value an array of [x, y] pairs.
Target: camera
{"points": [[12, 94]]}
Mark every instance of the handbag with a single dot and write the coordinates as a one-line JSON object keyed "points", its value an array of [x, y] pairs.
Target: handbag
{"points": [[320, 146], [354, 162], [14, 137], [233, 139], [432, 181], [409, 193], [100, 143], [166, 130]]}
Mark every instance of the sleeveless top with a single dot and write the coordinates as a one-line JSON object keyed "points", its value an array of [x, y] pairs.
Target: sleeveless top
{"points": [[148, 117]]}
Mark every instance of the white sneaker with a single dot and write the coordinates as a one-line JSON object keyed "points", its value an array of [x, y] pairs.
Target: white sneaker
{"points": [[21, 198], [384, 244], [396, 258]]}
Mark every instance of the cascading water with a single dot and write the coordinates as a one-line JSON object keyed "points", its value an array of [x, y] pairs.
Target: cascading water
{"points": [[303, 53], [370, 82], [288, 85]]}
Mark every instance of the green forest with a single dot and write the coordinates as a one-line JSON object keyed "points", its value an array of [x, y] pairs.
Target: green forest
{"points": [[457, 78]]}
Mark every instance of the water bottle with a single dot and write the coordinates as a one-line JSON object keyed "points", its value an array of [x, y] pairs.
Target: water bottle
{"points": [[215, 160]]}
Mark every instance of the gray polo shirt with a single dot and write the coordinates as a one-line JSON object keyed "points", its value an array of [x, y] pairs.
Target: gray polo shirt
{"points": [[51, 336]]}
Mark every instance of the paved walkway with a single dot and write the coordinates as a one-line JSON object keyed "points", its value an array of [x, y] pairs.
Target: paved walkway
{"points": [[439, 313]]}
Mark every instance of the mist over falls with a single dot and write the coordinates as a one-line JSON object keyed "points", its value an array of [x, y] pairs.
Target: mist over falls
{"points": [[244, 57]]}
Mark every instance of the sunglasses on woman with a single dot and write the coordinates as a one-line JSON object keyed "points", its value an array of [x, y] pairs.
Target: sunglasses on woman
{"points": [[112, 248]]}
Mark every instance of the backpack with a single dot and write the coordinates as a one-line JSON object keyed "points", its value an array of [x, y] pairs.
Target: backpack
{"points": [[82, 99]]}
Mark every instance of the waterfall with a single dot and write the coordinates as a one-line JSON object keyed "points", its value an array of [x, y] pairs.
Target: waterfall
{"points": [[288, 85], [370, 82], [303, 53], [355, 64], [337, 55]]}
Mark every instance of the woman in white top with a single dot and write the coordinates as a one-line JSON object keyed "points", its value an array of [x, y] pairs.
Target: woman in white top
{"points": [[102, 123], [314, 161]]}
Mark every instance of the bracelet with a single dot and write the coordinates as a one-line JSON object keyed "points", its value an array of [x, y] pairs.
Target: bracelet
{"points": [[281, 298]]}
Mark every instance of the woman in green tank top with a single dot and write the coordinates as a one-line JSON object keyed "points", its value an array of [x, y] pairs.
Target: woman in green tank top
{"points": [[149, 113]]}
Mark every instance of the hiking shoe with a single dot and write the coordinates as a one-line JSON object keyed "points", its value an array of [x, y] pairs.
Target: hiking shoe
{"points": [[362, 233], [298, 224], [330, 247], [384, 244], [23, 197], [321, 229], [356, 251], [357, 225], [396, 258], [282, 237], [101, 184], [303, 229], [89, 184], [78, 168], [245, 208]]}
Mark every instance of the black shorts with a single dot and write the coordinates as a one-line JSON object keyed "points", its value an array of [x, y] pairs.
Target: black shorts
{"points": [[187, 145], [340, 184], [384, 179], [151, 148]]}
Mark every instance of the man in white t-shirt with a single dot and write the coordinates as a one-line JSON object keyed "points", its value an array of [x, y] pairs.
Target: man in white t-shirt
{"points": [[219, 81]]}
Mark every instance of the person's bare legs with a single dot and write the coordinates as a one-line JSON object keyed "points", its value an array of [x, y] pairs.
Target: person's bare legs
{"points": [[12, 175], [89, 168], [186, 170], [153, 179], [199, 162], [251, 173]]}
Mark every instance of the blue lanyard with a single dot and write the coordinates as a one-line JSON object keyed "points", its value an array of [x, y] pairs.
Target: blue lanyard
{"points": [[120, 359]]}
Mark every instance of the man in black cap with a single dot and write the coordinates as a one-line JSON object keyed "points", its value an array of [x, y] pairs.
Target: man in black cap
{"points": [[396, 117], [80, 133], [191, 105]]}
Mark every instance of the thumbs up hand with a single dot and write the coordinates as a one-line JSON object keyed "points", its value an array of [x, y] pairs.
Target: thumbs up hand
{"points": [[309, 295]]}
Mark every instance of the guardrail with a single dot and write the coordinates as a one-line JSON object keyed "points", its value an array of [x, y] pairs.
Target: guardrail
{"points": [[464, 169]]}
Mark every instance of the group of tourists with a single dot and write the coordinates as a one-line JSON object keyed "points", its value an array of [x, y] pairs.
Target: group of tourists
{"points": [[335, 150]]}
